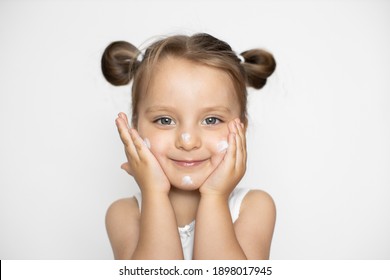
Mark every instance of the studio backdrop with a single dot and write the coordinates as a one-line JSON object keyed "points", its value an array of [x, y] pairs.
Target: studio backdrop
{"points": [[318, 136]]}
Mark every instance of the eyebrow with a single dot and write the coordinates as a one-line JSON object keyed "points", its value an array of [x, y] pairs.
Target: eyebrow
{"points": [[153, 109], [216, 108]]}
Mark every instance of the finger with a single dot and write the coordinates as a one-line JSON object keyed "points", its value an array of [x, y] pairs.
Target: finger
{"points": [[126, 167], [124, 117], [123, 131], [241, 132], [241, 143], [126, 139], [231, 152], [240, 155], [139, 143]]}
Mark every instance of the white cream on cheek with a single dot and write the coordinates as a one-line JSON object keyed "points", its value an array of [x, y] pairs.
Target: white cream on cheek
{"points": [[187, 180], [222, 146], [186, 137], [147, 143]]}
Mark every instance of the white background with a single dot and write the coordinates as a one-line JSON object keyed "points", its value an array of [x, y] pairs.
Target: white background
{"points": [[318, 138]]}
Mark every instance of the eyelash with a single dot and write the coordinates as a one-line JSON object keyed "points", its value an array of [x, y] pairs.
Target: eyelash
{"points": [[159, 121], [217, 121], [171, 121]]}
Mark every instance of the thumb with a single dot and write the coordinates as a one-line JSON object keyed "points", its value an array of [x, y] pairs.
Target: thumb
{"points": [[126, 167]]}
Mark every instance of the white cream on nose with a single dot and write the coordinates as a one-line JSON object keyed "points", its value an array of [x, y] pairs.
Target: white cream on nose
{"points": [[186, 137]]}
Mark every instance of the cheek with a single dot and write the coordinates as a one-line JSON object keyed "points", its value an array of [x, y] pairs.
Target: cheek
{"points": [[222, 146], [147, 143], [217, 146], [218, 142], [154, 143], [157, 145]]}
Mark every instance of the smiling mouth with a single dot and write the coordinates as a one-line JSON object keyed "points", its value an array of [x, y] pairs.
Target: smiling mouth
{"points": [[188, 163]]}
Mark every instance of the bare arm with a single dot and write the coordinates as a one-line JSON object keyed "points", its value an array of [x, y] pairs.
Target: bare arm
{"points": [[132, 236], [255, 226], [248, 238], [122, 224], [159, 237], [216, 237], [155, 234]]}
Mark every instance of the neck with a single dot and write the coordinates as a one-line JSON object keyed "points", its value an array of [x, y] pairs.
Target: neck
{"points": [[185, 205]]}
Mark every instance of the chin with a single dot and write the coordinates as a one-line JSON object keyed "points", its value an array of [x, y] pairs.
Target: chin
{"points": [[187, 183], [186, 188]]}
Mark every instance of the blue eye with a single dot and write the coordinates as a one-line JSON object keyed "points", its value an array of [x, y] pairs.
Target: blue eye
{"points": [[211, 121], [165, 121]]}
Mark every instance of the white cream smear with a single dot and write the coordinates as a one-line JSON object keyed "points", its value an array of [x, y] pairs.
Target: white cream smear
{"points": [[186, 137], [147, 143], [222, 146], [187, 180]]}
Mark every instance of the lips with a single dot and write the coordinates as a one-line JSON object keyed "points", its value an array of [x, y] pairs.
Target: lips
{"points": [[188, 163]]}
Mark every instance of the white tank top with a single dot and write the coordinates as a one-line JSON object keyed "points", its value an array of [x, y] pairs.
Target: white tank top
{"points": [[187, 232]]}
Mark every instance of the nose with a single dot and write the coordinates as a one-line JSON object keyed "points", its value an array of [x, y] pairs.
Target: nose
{"points": [[188, 140]]}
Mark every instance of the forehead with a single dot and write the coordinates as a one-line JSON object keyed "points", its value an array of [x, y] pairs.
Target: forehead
{"points": [[181, 82]]}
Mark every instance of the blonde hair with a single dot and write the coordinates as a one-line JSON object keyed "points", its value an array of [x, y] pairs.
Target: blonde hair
{"points": [[122, 62]]}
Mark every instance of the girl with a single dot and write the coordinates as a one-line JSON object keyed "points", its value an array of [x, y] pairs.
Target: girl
{"points": [[187, 151]]}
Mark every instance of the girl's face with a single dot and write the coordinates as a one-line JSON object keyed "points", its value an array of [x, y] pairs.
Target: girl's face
{"points": [[183, 119]]}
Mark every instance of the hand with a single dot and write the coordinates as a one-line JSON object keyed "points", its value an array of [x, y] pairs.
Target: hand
{"points": [[141, 163], [232, 168]]}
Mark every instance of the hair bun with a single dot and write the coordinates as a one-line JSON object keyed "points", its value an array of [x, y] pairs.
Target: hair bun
{"points": [[259, 65], [119, 62]]}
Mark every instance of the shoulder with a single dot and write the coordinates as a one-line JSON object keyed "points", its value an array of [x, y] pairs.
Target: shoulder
{"points": [[255, 225], [122, 224], [124, 205], [258, 201]]}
